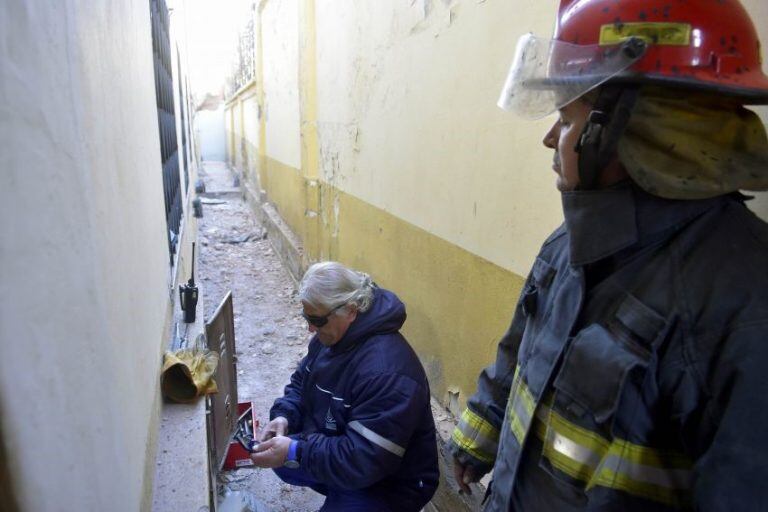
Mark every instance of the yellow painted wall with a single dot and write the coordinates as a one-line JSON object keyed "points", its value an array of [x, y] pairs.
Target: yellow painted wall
{"points": [[458, 304], [407, 169], [243, 131], [286, 191], [230, 135], [240, 121], [408, 120], [251, 133]]}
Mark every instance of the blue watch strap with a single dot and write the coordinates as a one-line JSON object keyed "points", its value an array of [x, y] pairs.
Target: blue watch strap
{"points": [[292, 457], [292, 450]]}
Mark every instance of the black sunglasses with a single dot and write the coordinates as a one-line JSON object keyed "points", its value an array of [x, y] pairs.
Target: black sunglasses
{"points": [[319, 321]]}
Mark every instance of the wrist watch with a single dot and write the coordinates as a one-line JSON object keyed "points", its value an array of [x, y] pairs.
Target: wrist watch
{"points": [[293, 459]]}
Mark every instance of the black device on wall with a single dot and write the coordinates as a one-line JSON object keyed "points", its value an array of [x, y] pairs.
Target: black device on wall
{"points": [[188, 294]]}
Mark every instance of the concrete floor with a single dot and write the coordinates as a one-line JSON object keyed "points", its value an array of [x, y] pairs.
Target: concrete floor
{"points": [[236, 254], [270, 335]]}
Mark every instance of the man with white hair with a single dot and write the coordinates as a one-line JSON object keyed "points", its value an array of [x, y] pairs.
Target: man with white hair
{"points": [[355, 422]]}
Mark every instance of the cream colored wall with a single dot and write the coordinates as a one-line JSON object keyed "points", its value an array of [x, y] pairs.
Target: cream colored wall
{"points": [[84, 270], [239, 131], [423, 181], [408, 120], [281, 80], [229, 133], [251, 129]]}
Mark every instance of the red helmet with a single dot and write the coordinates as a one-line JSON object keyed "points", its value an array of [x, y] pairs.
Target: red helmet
{"points": [[693, 44], [702, 44]]}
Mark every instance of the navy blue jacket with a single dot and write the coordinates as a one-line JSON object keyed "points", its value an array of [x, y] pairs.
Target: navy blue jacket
{"points": [[361, 411]]}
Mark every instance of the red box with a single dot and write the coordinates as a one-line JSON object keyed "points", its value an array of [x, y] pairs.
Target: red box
{"points": [[237, 456]]}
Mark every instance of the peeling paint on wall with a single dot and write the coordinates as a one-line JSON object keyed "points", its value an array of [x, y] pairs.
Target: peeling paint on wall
{"points": [[408, 128], [428, 14], [280, 39], [336, 211]]}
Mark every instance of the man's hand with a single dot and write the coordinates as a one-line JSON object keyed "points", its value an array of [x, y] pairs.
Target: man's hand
{"points": [[276, 427], [464, 476], [271, 453]]}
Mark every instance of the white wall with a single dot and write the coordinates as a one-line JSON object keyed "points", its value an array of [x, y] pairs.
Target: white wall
{"points": [[209, 127], [83, 259]]}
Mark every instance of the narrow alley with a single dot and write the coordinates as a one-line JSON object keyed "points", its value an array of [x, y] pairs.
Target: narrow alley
{"points": [[270, 334], [567, 199]]}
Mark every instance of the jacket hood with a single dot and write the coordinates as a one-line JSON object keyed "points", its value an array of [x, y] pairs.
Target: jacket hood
{"points": [[386, 315]]}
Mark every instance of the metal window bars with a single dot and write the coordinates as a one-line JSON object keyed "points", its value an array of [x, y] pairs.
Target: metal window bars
{"points": [[161, 49]]}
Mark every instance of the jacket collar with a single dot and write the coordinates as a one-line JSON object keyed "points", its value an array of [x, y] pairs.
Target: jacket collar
{"points": [[346, 343], [601, 223], [386, 315]]}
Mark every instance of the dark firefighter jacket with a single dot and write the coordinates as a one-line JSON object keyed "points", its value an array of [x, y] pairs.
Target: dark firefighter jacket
{"points": [[634, 375], [361, 409]]}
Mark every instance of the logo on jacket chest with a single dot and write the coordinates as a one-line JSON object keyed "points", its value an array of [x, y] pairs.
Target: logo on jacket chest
{"points": [[330, 422]]}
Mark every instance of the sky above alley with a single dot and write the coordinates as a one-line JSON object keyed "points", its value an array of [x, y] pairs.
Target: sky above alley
{"points": [[210, 29]]}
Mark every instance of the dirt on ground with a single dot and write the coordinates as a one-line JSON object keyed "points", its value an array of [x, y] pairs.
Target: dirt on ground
{"points": [[270, 334]]}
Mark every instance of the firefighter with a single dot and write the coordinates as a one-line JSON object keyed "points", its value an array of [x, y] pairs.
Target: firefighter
{"points": [[634, 373]]}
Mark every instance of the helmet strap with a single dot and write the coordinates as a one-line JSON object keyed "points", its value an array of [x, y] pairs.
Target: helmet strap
{"points": [[606, 124]]}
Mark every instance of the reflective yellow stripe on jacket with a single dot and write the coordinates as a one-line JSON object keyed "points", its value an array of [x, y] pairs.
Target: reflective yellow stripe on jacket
{"points": [[476, 436], [658, 475]]}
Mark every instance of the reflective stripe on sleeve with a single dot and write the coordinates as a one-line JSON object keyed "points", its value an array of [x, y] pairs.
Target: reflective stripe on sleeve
{"points": [[476, 436], [660, 475], [376, 439], [520, 408]]}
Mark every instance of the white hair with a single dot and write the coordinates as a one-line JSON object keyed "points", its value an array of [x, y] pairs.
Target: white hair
{"points": [[328, 285]]}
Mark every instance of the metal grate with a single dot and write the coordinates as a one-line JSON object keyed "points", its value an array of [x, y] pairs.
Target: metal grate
{"points": [[184, 127], [244, 69], [222, 406], [161, 49]]}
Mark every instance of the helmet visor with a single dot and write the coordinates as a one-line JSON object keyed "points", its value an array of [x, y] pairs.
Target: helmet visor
{"points": [[547, 74]]}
